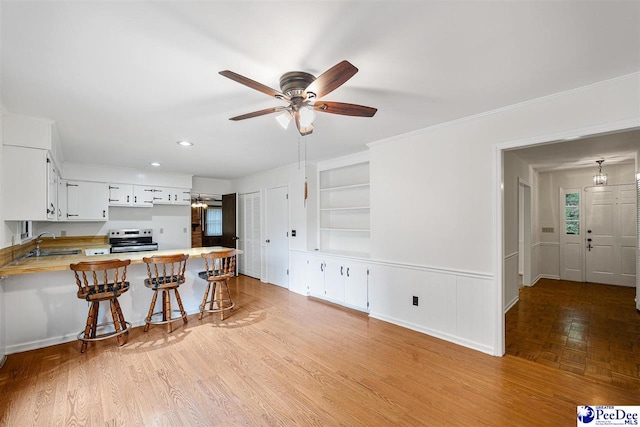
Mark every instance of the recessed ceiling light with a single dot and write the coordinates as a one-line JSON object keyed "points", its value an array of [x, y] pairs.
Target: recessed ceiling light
{"points": [[184, 143], [156, 164]]}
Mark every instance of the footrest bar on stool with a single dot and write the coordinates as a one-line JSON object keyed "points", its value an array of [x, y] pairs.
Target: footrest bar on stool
{"points": [[164, 322], [105, 335]]}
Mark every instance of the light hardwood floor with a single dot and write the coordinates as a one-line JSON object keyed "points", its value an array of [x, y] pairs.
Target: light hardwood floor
{"points": [[284, 359]]}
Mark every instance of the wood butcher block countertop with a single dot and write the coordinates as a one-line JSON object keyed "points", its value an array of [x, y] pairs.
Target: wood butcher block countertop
{"points": [[61, 262]]}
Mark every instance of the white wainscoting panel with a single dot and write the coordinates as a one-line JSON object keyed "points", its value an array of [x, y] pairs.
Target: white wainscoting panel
{"points": [[549, 260], [511, 281], [454, 306]]}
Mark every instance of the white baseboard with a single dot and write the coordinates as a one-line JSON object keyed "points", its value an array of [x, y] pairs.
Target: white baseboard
{"points": [[61, 339], [2, 360], [511, 304], [437, 334], [545, 276]]}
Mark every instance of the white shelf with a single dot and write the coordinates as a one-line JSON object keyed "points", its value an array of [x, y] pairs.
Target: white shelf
{"points": [[346, 187], [344, 208], [349, 208]]}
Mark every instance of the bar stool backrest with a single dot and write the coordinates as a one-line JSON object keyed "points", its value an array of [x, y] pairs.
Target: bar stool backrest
{"points": [[220, 265], [101, 279], [166, 271]]}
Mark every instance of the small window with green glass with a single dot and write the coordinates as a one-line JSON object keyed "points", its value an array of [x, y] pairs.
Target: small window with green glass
{"points": [[572, 213]]}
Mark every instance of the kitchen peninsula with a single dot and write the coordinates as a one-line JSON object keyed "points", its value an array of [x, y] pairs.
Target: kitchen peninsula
{"points": [[42, 309]]}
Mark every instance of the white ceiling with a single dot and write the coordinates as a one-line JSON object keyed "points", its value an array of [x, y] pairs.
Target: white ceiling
{"points": [[125, 80], [613, 148]]}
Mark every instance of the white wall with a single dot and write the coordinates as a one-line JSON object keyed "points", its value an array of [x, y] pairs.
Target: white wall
{"points": [[4, 236], [450, 222], [82, 172], [210, 186], [292, 176], [514, 168]]}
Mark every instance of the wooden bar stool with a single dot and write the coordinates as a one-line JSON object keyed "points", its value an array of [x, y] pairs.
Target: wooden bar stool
{"points": [[220, 266], [166, 273], [102, 281]]}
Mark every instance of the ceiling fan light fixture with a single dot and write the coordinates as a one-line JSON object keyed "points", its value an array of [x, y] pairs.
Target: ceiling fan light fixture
{"points": [[600, 178], [284, 119], [307, 116]]}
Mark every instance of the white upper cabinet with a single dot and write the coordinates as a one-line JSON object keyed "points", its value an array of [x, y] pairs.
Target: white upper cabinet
{"points": [[143, 196], [120, 194], [87, 201], [62, 199], [28, 176], [52, 191], [172, 196]]}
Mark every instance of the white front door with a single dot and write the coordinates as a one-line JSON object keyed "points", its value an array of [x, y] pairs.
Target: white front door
{"points": [[276, 236], [610, 216], [571, 241]]}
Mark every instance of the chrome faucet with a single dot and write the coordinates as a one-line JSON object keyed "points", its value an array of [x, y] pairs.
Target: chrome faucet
{"points": [[39, 239]]}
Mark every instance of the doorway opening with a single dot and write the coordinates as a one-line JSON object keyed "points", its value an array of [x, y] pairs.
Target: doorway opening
{"points": [[561, 321]]}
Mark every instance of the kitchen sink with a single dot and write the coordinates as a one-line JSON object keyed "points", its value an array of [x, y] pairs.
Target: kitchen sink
{"points": [[54, 253]]}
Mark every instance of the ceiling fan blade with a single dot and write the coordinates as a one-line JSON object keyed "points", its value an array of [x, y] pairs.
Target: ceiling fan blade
{"points": [[254, 85], [344, 109], [332, 79], [258, 113], [304, 130]]}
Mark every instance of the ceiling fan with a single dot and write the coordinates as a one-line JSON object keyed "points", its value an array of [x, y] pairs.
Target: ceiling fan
{"points": [[302, 90]]}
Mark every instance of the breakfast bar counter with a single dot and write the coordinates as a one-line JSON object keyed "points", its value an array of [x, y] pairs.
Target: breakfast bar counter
{"points": [[41, 307], [61, 262]]}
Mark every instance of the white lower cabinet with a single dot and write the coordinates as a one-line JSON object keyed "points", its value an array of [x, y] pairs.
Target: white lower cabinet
{"points": [[339, 280]]}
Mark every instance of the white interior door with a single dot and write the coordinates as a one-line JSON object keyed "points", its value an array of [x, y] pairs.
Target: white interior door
{"points": [[276, 236], [249, 234], [610, 215], [571, 240]]}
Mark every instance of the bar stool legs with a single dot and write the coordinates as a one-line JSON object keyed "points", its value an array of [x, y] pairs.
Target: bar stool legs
{"points": [[220, 299], [119, 324], [166, 309]]}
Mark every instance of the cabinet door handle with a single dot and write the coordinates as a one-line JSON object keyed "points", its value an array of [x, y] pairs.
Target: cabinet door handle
{"points": [[71, 185], [321, 266], [347, 271], [104, 213], [71, 215], [113, 188], [128, 199], [135, 199], [341, 270], [114, 200]]}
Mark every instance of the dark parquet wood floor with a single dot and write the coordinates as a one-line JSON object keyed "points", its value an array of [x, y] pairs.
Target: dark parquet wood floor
{"points": [[588, 329], [283, 359]]}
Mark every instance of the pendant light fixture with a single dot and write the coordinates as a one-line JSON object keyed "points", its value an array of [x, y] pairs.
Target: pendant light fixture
{"points": [[600, 178], [199, 203]]}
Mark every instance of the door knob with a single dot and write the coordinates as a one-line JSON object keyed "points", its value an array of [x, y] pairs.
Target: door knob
{"points": [[268, 241]]}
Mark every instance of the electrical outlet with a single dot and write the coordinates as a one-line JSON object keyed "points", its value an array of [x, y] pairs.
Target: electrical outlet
{"points": [[184, 230], [415, 300], [161, 230], [63, 233]]}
